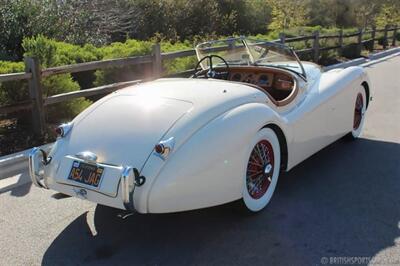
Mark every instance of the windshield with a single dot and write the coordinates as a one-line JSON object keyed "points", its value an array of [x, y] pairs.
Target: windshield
{"points": [[242, 51]]}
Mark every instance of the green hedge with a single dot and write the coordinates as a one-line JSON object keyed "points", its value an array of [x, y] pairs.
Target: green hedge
{"points": [[135, 48], [179, 64], [52, 53], [121, 50], [12, 91]]}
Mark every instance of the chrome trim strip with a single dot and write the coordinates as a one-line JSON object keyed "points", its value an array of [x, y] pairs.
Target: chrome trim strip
{"points": [[36, 179], [127, 186]]}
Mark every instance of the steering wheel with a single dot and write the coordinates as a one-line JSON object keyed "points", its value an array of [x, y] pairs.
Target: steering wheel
{"points": [[211, 72]]}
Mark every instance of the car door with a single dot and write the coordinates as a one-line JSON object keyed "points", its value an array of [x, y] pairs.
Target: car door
{"points": [[309, 121]]}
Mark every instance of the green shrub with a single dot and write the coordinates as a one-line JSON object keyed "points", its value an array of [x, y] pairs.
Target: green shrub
{"points": [[12, 91], [65, 110], [51, 53], [272, 35], [328, 57], [382, 41], [178, 64], [350, 51], [121, 50]]}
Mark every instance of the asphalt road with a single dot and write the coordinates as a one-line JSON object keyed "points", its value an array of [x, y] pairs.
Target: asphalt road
{"points": [[342, 203]]}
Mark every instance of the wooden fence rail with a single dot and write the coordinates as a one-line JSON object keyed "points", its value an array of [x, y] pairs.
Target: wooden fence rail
{"points": [[34, 74]]}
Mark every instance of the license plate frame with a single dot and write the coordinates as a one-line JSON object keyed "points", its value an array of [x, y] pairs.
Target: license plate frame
{"points": [[87, 174]]}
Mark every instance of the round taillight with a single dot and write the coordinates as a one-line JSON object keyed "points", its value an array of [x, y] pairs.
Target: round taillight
{"points": [[59, 131], [164, 147], [159, 148]]}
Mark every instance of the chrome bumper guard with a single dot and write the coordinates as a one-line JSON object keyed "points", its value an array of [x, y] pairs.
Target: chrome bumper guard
{"points": [[127, 187], [36, 178], [130, 178]]}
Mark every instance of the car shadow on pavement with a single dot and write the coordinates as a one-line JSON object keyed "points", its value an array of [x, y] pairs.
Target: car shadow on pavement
{"points": [[341, 202]]}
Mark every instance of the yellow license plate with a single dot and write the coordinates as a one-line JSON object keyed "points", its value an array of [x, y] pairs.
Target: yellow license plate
{"points": [[85, 173]]}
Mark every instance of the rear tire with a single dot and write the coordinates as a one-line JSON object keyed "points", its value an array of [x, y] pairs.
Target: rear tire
{"points": [[262, 172]]}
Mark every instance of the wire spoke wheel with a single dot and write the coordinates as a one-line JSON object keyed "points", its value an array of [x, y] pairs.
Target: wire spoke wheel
{"points": [[358, 111], [260, 169]]}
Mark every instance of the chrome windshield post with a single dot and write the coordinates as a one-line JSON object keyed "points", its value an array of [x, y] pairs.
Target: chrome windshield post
{"points": [[37, 178]]}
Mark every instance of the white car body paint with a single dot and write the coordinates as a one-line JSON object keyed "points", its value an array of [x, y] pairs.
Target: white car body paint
{"points": [[212, 123]]}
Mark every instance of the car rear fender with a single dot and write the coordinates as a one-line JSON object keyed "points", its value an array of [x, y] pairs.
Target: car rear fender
{"points": [[208, 168]]}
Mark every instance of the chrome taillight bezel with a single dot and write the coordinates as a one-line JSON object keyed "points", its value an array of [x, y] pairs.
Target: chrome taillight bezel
{"points": [[164, 147], [63, 129]]}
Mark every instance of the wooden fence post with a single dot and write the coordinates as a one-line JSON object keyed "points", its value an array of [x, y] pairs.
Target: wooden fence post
{"points": [[341, 42], [373, 34], [32, 65], [394, 36], [316, 46], [385, 37], [282, 37], [360, 44], [157, 62]]}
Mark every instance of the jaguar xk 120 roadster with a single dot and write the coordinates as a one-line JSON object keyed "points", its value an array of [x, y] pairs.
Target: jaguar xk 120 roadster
{"points": [[250, 111]]}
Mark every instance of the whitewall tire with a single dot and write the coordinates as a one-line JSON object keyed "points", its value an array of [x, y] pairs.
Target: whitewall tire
{"points": [[360, 106], [262, 170]]}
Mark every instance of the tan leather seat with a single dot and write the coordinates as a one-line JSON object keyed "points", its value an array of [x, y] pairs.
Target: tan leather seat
{"points": [[283, 102]]}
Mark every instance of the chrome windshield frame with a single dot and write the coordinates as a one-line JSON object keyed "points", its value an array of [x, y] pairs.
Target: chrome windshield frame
{"points": [[246, 44]]}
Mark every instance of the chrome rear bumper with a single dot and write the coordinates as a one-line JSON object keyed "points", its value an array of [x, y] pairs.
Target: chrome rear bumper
{"points": [[129, 179]]}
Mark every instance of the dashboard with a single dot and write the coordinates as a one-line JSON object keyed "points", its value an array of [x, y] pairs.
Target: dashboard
{"points": [[278, 83], [264, 79], [260, 79]]}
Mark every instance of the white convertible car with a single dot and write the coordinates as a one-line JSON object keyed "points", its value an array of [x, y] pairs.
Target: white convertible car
{"points": [[250, 111]]}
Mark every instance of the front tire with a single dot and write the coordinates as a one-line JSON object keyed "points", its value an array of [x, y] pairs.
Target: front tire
{"points": [[359, 113], [262, 172]]}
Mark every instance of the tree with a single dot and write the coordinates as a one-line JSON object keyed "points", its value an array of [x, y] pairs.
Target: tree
{"points": [[71, 21], [287, 14], [365, 12], [16, 21], [389, 13]]}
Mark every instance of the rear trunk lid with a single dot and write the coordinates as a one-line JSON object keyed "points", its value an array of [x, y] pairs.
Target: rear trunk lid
{"points": [[121, 131], [124, 129]]}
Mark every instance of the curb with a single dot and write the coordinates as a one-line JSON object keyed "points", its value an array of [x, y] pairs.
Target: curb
{"points": [[384, 53], [380, 59], [354, 62], [362, 60]]}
